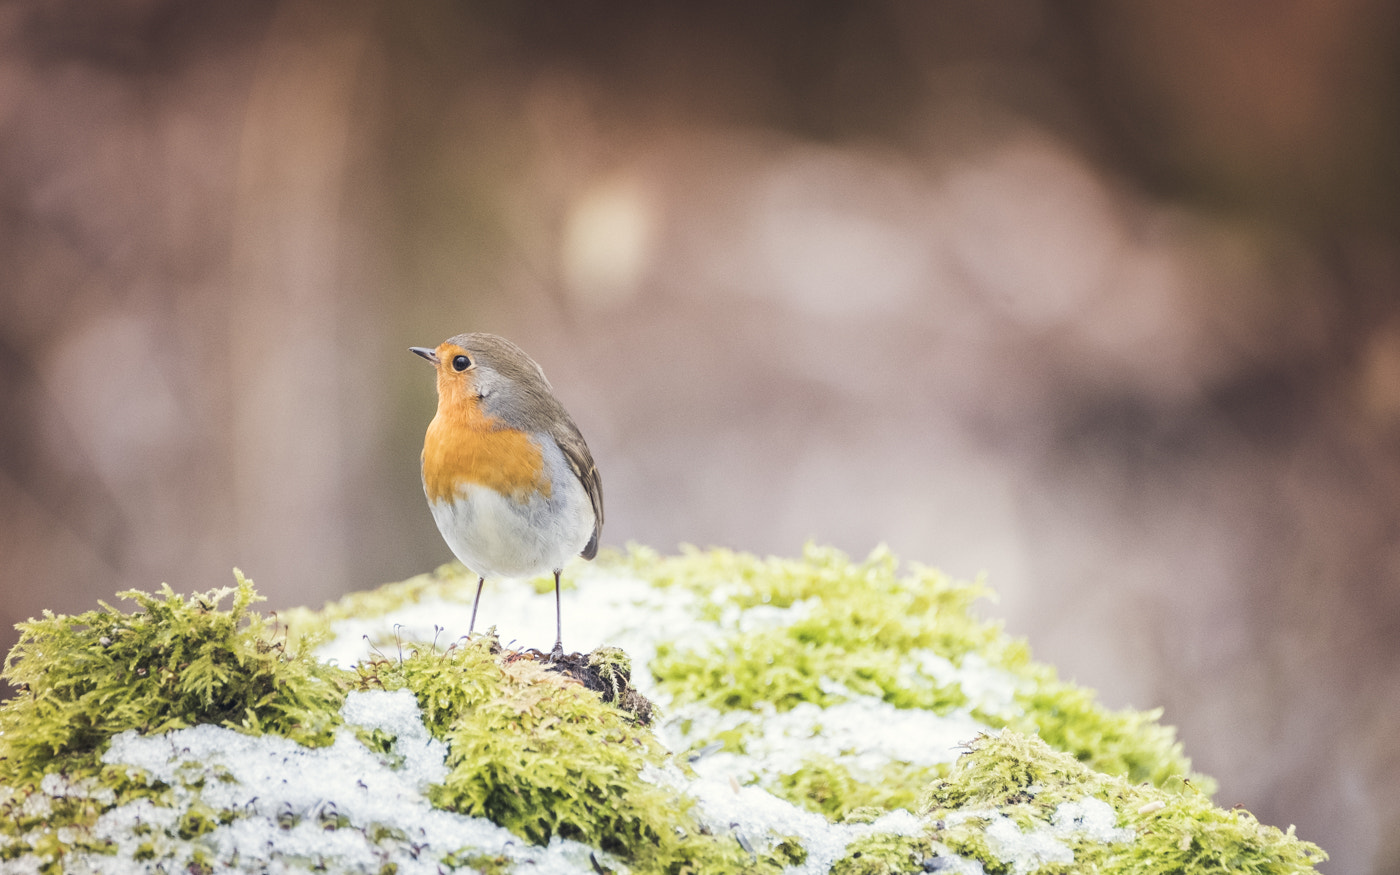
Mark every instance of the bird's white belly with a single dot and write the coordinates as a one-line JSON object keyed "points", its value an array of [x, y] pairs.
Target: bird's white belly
{"points": [[496, 536]]}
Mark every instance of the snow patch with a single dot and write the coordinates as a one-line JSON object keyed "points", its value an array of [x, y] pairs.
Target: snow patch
{"points": [[299, 809]]}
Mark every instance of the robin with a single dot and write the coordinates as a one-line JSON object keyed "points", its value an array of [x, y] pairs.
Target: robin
{"points": [[510, 481]]}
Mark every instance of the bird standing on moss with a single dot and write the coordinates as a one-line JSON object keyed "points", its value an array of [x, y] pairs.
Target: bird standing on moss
{"points": [[510, 481]]}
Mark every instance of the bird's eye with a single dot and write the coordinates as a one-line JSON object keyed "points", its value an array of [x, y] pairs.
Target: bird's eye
{"points": [[461, 363]]}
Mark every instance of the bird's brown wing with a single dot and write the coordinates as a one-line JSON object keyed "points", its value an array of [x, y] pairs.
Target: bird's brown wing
{"points": [[569, 439]]}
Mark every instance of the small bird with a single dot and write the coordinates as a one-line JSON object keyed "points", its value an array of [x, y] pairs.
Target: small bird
{"points": [[510, 481]]}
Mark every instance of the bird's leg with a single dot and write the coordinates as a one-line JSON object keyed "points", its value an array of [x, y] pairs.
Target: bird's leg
{"points": [[558, 652], [476, 601]]}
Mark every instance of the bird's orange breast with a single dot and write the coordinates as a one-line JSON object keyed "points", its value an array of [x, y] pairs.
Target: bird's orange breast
{"points": [[465, 447]]}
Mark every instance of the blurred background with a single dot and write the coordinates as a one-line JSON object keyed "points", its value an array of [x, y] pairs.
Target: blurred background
{"points": [[1100, 299]]}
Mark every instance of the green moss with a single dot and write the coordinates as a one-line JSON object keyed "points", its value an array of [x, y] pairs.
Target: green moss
{"points": [[1175, 829], [883, 854], [514, 730], [857, 624], [530, 749], [382, 743], [176, 663], [613, 668], [789, 852], [1012, 769], [543, 756], [1128, 742], [828, 786], [485, 864], [381, 833]]}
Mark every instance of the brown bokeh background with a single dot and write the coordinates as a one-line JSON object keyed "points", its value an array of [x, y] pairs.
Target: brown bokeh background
{"points": [[1098, 298]]}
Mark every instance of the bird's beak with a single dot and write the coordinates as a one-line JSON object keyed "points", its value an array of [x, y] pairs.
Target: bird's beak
{"points": [[430, 355]]}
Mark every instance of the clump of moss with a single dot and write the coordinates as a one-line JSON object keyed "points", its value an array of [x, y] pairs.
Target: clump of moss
{"points": [[607, 671], [856, 623], [1128, 742], [540, 754], [1012, 769], [175, 663], [853, 629], [883, 854], [825, 785], [1163, 830], [530, 748]]}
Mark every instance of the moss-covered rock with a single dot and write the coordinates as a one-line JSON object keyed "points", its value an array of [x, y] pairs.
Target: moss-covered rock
{"points": [[734, 714], [1018, 805]]}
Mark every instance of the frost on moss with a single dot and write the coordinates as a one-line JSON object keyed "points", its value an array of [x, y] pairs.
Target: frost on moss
{"points": [[527, 748], [543, 756], [863, 629], [825, 785], [175, 663], [806, 708], [1015, 804], [884, 854]]}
